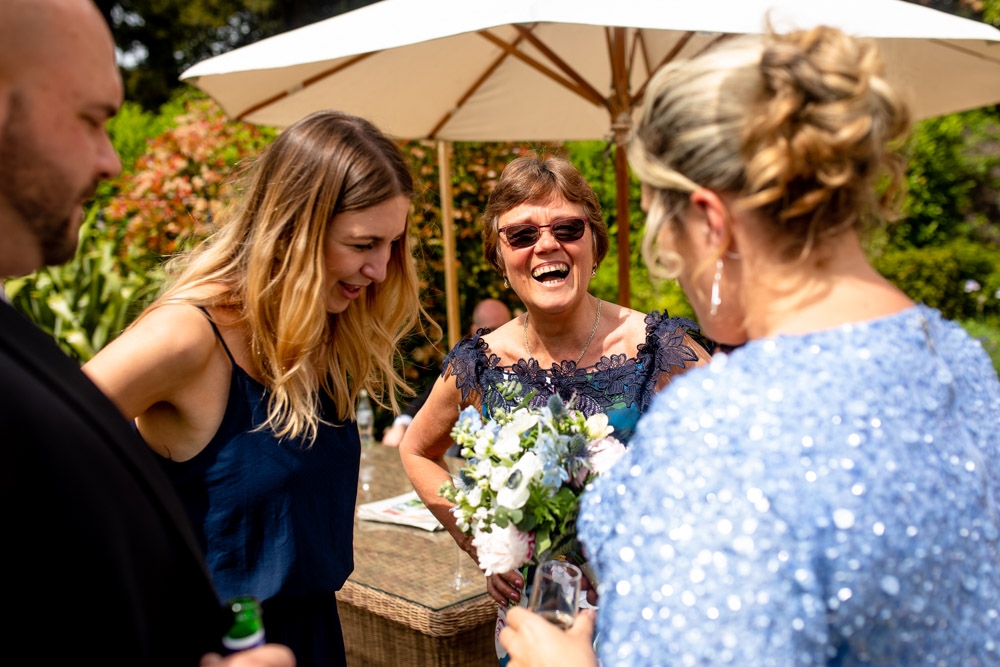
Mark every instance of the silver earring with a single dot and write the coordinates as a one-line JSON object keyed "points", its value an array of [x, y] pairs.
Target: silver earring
{"points": [[506, 285], [593, 274], [716, 299]]}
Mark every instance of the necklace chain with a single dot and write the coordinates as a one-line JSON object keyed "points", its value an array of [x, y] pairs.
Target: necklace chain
{"points": [[597, 320]]}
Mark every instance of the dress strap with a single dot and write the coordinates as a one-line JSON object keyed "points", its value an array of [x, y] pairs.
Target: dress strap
{"points": [[218, 335]]}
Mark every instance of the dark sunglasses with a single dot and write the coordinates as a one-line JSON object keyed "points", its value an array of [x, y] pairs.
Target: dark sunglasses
{"points": [[526, 234]]}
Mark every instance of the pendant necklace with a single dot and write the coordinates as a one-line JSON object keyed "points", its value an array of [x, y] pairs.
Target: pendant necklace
{"points": [[597, 320]]}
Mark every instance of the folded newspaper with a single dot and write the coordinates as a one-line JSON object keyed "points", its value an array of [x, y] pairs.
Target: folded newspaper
{"points": [[406, 510]]}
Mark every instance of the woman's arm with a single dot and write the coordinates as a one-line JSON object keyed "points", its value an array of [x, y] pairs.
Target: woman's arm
{"points": [[168, 373], [423, 448]]}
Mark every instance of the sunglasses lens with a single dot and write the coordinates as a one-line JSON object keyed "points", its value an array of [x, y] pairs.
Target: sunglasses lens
{"points": [[525, 235], [521, 236], [569, 230]]}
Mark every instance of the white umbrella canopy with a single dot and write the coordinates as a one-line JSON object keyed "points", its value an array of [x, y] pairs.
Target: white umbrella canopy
{"points": [[556, 70]]}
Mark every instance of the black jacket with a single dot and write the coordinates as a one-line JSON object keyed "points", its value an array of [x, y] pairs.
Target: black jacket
{"points": [[99, 562]]}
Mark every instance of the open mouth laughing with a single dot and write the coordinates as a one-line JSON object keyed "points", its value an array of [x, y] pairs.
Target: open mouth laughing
{"points": [[551, 274]]}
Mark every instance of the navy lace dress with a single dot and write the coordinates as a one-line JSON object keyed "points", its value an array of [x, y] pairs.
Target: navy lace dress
{"points": [[618, 385]]}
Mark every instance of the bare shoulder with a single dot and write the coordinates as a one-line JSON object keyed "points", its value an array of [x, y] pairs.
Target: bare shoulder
{"points": [[177, 330], [628, 326], [507, 341]]}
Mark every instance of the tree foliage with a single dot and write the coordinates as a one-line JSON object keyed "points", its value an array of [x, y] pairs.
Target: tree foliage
{"points": [[161, 38]]}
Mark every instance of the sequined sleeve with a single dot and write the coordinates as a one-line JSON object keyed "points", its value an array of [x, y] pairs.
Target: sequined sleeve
{"points": [[823, 499]]}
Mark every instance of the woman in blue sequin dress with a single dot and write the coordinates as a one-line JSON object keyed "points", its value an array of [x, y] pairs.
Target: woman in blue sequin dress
{"points": [[244, 374], [543, 230], [828, 493]]}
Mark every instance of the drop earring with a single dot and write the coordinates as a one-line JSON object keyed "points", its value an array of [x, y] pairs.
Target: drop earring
{"points": [[593, 274], [716, 299], [506, 285]]}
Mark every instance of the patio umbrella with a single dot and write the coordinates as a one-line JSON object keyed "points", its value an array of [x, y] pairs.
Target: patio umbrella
{"points": [[557, 70]]}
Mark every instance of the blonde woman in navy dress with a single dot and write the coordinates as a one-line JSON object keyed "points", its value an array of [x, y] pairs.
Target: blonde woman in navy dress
{"points": [[828, 493], [243, 375]]}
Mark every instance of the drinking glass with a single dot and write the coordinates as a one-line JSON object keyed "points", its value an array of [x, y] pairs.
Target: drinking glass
{"points": [[555, 593]]}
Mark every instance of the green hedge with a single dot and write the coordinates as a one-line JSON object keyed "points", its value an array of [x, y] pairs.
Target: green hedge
{"points": [[961, 278]]}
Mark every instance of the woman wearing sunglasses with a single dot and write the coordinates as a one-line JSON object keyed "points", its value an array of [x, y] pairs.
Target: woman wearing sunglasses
{"points": [[543, 231]]}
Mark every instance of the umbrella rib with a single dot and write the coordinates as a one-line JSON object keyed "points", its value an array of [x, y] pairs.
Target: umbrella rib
{"points": [[969, 52], [681, 43], [582, 92], [639, 48], [472, 90], [592, 93], [316, 78]]}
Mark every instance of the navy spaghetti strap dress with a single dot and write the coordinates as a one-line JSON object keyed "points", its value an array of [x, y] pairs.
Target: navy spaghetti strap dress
{"points": [[276, 518]]}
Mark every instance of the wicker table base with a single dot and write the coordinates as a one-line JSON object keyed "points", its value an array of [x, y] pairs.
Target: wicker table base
{"points": [[400, 607], [374, 638]]}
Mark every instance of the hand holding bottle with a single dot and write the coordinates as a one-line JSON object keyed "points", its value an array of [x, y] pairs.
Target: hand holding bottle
{"points": [[269, 655]]}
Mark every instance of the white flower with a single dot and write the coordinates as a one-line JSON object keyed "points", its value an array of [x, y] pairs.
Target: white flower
{"points": [[597, 427], [521, 420], [498, 477], [483, 469], [502, 549], [474, 497], [517, 489], [604, 453], [530, 465], [508, 443]]}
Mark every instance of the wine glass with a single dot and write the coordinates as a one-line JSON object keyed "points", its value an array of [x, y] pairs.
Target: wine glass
{"points": [[555, 593]]}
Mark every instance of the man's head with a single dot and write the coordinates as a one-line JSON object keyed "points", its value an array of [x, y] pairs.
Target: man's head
{"points": [[59, 85], [489, 314]]}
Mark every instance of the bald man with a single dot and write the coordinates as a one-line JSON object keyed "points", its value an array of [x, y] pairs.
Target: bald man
{"points": [[99, 562], [488, 314]]}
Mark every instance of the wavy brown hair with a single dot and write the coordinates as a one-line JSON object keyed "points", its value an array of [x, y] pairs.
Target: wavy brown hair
{"points": [[530, 179], [801, 127], [267, 256]]}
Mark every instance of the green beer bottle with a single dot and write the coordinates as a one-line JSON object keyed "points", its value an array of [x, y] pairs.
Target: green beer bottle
{"points": [[247, 630]]}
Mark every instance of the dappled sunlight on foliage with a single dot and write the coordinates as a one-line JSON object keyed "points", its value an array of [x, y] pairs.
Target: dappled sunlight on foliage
{"points": [[182, 181]]}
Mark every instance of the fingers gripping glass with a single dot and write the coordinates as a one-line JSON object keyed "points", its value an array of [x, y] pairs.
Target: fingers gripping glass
{"points": [[526, 234]]}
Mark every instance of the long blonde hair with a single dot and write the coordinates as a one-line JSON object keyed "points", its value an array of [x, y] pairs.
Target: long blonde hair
{"points": [[267, 256], [800, 127]]}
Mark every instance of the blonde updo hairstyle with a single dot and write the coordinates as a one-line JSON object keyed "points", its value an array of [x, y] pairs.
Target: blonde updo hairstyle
{"points": [[800, 127]]}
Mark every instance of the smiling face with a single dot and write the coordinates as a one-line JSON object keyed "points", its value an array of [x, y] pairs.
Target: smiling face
{"points": [[550, 275], [357, 248]]}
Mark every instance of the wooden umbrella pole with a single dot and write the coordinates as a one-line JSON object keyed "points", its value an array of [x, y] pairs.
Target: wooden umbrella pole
{"points": [[621, 200], [448, 238]]}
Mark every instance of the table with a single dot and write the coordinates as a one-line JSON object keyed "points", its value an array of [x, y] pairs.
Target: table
{"points": [[402, 605]]}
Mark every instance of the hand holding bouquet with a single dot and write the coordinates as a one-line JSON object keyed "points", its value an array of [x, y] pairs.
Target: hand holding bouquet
{"points": [[518, 496]]}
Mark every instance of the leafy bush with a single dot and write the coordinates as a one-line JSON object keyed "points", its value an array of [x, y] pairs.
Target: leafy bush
{"points": [[988, 333], [961, 278], [84, 303]]}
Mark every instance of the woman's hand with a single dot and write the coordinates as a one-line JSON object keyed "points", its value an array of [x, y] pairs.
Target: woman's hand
{"points": [[531, 641], [505, 587], [588, 589], [269, 655]]}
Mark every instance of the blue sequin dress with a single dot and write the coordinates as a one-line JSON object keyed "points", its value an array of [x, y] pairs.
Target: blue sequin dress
{"points": [[619, 385], [827, 499]]}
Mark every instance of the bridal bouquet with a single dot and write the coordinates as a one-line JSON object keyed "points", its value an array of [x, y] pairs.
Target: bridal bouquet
{"points": [[518, 495]]}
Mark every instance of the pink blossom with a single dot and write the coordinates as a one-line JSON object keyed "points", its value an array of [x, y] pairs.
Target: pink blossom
{"points": [[604, 453], [503, 549]]}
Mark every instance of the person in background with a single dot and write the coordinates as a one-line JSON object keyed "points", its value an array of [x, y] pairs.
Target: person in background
{"points": [[543, 231], [828, 493], [488, 314], [102, 563], [243, 375]]}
